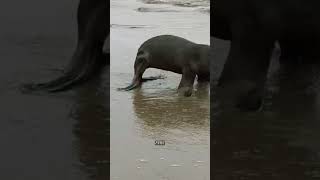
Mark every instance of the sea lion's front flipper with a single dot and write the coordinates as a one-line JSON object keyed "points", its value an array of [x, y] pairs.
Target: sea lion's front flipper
{"points": [[140, 66], [137, 83], [186, 83]]}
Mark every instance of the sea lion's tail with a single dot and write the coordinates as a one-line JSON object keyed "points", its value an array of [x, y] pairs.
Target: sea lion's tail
{"points": [[137, 82]]}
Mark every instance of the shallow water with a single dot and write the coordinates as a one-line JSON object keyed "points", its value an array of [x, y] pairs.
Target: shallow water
{"points": [[47, 136], [155, 111], [279, 142]]}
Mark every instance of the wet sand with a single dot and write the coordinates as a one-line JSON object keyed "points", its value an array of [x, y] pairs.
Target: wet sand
{"points": [[47, 136], [281, 142], [155, 111]]}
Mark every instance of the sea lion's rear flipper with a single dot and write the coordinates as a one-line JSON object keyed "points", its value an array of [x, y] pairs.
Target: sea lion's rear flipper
{"points": [[88, 59]]}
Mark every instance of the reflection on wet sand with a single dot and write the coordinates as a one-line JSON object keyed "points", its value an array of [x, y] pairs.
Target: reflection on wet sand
{"points": [[91, 130], [159, 114], [268, 145], [280, 142]]}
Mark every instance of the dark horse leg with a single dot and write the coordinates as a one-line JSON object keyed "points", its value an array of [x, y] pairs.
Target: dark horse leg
{"points": [[88, 59]]}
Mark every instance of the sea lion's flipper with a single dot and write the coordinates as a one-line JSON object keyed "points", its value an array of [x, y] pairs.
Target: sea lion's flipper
{"points": [[130, 87], [186, 83], [140, 65], [136, 84], [88, 59]]}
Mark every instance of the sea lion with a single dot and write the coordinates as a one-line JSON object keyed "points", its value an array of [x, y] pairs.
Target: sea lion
{"points": [[88, 59], [175, 54]]}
